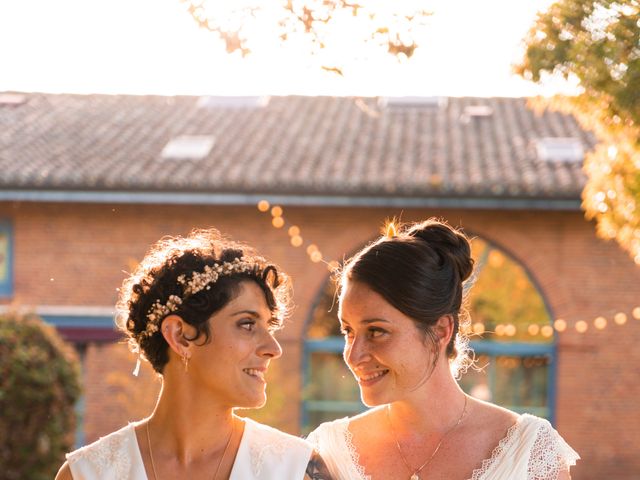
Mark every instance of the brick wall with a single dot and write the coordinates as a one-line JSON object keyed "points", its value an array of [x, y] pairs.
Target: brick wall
{"points": [[75, 255]]}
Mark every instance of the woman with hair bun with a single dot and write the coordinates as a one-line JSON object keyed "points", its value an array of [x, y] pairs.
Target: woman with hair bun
{"points": [[202, 310], [400, 307]]}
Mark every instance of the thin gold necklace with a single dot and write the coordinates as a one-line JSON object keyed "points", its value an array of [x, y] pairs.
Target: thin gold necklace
{"points": [[215, 475], [416, 472]]}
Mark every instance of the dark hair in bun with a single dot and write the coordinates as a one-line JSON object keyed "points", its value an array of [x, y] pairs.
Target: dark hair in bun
{"points": [[420, 269]]}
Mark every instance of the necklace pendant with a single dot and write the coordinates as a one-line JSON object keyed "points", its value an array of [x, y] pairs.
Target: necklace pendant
{"points": [[414, 477]]}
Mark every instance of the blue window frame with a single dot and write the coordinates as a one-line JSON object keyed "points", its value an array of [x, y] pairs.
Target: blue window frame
{"points": [[6, 259]]}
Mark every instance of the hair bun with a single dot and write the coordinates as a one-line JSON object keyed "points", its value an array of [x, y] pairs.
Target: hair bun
{"points": [[449, 243]]}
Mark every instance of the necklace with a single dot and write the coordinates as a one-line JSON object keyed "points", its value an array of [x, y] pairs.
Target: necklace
{"points": [[416, 472], [215, 475]]}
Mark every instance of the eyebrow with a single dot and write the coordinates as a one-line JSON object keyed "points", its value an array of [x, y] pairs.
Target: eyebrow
{"points": [[247, 312], [374, 320], [366, 321]]}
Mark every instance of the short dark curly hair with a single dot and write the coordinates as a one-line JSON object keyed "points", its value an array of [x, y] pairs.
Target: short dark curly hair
{"points": [[156, 279]]}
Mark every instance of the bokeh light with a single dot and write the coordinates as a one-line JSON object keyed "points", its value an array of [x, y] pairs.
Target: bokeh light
{"points": [[620, 318], [560, 325]]}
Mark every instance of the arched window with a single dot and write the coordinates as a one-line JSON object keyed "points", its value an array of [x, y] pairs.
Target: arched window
{"points": [[510, 333]]}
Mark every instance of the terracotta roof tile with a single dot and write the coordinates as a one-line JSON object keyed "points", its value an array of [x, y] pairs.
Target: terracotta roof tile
{"points": [[297, 145]]}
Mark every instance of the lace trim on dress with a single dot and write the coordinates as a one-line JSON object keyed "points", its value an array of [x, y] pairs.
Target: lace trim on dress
{"points": [[550, 455], [107, 454], [353, 454], [267, 445], [496, 453], [276, 447]]}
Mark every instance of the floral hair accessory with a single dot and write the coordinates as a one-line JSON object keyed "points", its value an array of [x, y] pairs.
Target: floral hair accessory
{"points": [[193, 284]]}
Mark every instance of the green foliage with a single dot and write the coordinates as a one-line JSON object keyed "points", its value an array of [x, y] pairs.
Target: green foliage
{"points": [[503, 294], [39, 385], [318, 26], [598, 42]]}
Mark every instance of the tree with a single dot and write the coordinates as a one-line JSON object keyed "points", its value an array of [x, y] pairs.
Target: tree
{"points": [[598, 42], [39, 385], [324, 27]]}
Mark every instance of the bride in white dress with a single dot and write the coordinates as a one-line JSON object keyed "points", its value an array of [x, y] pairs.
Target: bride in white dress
{"points": [[399, 306], [202, 310]]}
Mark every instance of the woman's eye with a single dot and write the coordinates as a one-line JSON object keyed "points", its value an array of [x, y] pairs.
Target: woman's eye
{"points": [[248, 324], [346, 332], [376, 332]]}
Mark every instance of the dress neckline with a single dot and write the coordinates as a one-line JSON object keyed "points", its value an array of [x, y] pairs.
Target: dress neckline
{"points": [[477, 473], [248, 424]]}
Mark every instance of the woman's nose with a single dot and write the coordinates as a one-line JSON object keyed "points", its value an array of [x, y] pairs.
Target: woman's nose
{"points": [[270, 347], [355, 352]]}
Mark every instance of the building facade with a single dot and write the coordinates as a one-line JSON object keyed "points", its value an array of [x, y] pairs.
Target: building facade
{"points": [[86, 189]]}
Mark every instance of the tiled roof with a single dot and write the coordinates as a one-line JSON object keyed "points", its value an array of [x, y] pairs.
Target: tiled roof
{"points": [[294, 145]]}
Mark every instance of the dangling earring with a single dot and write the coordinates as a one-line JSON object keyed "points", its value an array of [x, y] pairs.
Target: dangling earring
{"points": [[185, 361]]}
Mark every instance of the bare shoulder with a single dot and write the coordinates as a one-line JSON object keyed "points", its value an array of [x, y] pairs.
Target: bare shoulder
{"points": [[489, 423], [64, 473], [489, 414], [365, 420]]}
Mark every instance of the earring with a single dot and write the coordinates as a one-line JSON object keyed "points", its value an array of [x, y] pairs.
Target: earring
{"points": [[185, 361]]}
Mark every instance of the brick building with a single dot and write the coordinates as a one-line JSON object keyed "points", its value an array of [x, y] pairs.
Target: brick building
{"points": [[89, 182]]}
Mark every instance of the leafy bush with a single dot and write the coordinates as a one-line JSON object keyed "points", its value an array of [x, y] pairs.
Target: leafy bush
{"points": [[39, 385]]}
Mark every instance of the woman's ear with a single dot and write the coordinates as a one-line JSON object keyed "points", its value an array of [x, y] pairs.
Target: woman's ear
{"points": [[174, 331], [444, 329]]}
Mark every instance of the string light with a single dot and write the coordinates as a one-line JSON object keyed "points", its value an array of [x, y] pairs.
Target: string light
{"points": [[533, 329], [600, 323], [316, 257], [620, 318], [510, 330], [547, 331], [296, 240], [560, 325]]}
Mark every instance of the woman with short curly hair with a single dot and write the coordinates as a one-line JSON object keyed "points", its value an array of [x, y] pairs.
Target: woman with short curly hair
{"points": [[202, 310]]}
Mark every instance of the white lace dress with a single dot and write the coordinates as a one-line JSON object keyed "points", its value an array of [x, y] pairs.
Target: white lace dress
{"points": [[531, 450], [264, 454]]}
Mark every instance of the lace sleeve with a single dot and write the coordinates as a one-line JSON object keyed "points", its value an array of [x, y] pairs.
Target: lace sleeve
{"points": [[550, 455]]}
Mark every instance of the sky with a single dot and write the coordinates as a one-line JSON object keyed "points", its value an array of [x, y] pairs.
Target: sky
{"points": [[155, 47]]}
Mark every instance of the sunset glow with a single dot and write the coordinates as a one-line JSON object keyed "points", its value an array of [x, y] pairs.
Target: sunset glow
{"points": [[155, 47]]}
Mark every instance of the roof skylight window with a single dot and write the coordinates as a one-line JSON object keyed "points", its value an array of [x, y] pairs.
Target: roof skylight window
{"points": [[413, 102], [188, 147], [12, 99], [233, 102], [560, 149]]}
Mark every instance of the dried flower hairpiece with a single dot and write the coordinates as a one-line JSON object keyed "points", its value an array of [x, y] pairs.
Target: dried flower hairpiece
{"points": [[197, 282]]}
